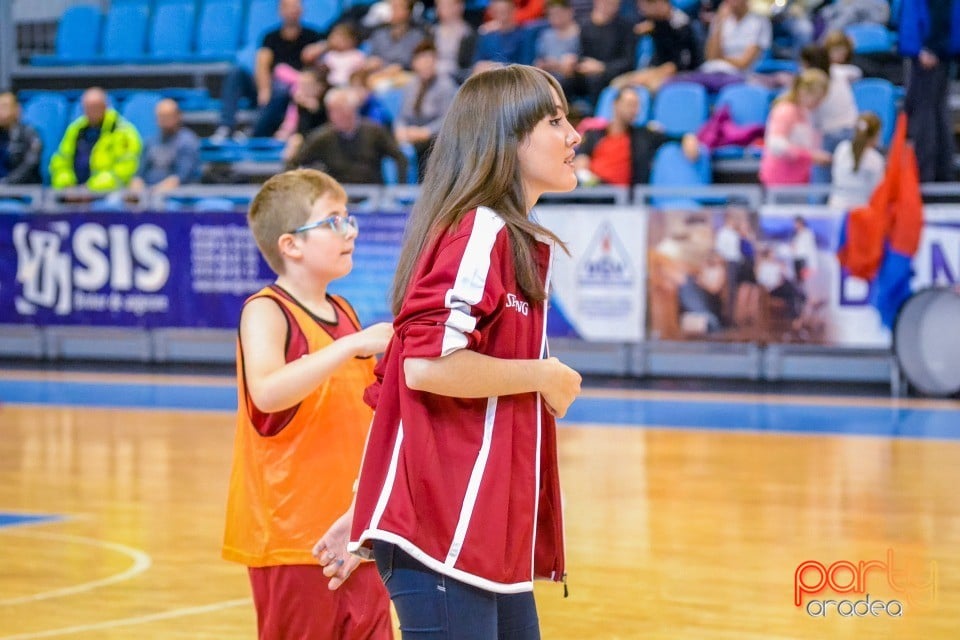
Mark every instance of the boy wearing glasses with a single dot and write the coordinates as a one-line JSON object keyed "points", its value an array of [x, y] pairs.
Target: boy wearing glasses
{"points": [[303, 363]]}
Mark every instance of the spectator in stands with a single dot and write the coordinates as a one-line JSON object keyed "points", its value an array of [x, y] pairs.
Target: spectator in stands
{"points": [[100, 149], [791, 21], [391, 46], [455, 40], [348, 147], [558, 46], [20, 146], [607, 50], [310, 112], [737, 39], [841, 14], [930, 37], [172, 157], [621, 154], [371, 107], [839, 48], [503, 42], [837, 114], [291, 45], [527, 11], [342, 57], [792, 144], [858, 167], [675, 46], [425, 103]]}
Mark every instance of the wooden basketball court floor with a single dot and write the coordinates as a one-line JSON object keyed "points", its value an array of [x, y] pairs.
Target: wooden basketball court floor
{"points": [[688, 514]]}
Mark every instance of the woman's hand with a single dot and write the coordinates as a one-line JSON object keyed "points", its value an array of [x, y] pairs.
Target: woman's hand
{"points": [[561, 386]]}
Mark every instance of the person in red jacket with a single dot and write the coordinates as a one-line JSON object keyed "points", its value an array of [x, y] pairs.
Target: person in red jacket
{"points": [[458, 499]]}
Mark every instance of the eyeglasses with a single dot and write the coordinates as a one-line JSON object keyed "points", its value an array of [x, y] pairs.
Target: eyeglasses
{"points": [[341, 224]]}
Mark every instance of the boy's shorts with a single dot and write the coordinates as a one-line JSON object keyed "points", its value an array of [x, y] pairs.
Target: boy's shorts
{"points": [[294, 603]]}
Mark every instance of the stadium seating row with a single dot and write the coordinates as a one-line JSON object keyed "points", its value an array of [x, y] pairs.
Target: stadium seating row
{"points": [[679, 108], [170, 31], [682, 107]]}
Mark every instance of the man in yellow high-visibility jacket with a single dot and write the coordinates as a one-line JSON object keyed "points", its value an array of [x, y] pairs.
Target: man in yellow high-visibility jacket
{"points": [[99, 149]]}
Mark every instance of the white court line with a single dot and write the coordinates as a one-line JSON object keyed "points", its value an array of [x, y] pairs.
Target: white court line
{"points": [[141, 562], [122, 622]]}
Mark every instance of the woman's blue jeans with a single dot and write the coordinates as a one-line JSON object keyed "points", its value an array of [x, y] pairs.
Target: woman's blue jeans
{"points": [[432, 606]]}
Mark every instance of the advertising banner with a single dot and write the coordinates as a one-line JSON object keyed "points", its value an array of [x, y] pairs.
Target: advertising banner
{"points": [[160, 269], [598, 289], [731, 274]]}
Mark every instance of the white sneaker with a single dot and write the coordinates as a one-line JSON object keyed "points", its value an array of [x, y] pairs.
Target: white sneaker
{"points": [[220, 135]]}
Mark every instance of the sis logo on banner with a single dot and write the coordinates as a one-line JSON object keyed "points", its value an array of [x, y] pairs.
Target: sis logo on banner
{"points": [[94, 267]]}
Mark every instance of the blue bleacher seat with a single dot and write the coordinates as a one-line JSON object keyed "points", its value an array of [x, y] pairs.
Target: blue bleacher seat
{"points": [[608, 96], [263, 150], [680, 107], [108, 204], [686, 5], [47, 113], [879, 96], [246, 58], [769, 64], [140, 109], [125, 31], [392, 100], [12, 205], [78, 37], [191, 98], [261, 17], [748, 104], [671, 168], [213, 204], [218, 29], [320, 14], [871, 38], [390, 171], [171, 32]]}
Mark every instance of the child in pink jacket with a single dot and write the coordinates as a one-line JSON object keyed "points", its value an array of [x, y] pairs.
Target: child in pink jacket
{"points": [[792, 145]]}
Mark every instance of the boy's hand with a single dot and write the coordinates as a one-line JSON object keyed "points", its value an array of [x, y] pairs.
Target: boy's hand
{"points": [[374, 339], [331, 552]]}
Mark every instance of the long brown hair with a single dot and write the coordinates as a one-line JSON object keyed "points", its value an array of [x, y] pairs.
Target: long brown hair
{"points": [[867, 128], [474, 163]]}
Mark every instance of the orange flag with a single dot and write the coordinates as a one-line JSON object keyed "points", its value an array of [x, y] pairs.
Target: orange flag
{"points": [[894, 214]]}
